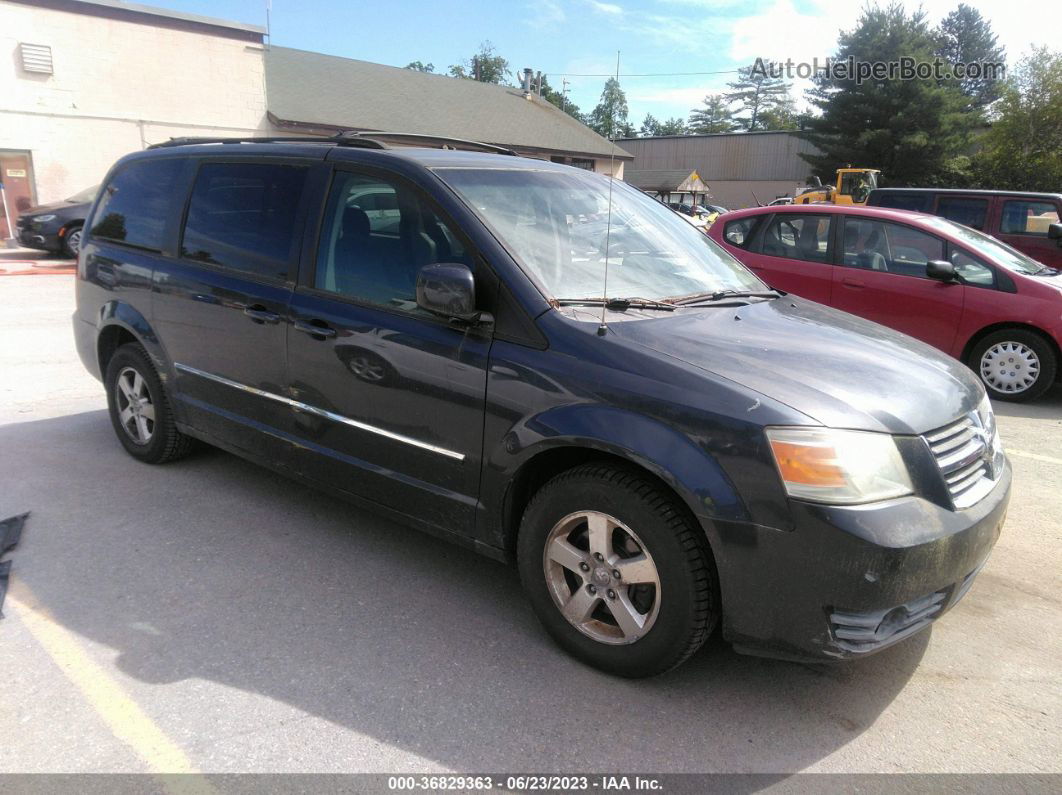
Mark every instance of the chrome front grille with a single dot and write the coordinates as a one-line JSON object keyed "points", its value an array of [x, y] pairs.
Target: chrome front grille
{"points": [[964, 454]]}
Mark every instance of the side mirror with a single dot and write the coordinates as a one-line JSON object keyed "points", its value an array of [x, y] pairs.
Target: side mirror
{"points": [[448, 289], [941, 270], [1054, 232]]}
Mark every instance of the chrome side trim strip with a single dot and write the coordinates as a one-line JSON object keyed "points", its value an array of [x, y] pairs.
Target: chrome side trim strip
{"points": [[295, 404]]}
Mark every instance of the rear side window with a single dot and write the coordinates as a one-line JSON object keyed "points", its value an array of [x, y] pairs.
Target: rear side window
{"points": [[739, 233], [136, 202], [1027, 218], [962, 210], [805, 237], [916, 202], [243, 216]]}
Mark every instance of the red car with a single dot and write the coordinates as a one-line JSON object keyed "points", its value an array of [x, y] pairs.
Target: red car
{"points": [[951, 286]]}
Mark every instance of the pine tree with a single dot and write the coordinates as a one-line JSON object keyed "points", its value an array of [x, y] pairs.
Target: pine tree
{"points": [[650, 127], [714, 117], [964, 36], [757, 92], [911, 129]]}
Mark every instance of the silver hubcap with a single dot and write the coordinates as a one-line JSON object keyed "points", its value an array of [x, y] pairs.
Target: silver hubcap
{"points": [[136, 412], [601, 577], [74, 241], [1010, 367]]}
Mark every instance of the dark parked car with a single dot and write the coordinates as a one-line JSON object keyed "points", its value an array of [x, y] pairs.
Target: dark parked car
{"points": [[695, 451], [56, 227], [946, 284], [1022, 220]]}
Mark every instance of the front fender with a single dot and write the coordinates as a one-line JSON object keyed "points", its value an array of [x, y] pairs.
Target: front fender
{"points": [[692, 472]]}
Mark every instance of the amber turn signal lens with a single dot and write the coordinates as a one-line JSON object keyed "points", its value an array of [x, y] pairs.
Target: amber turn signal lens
{"points": [[805, 464]]}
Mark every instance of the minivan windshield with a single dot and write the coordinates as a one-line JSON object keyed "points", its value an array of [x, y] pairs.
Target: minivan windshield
{"points": [[557, 224], [988, 247]]}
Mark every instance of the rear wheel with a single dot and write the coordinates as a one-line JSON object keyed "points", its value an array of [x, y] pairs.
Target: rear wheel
{"points": [[139, 409], [616, 571], [1014, 364]]}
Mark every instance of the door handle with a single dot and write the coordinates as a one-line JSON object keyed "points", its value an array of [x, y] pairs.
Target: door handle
{"points": [[848, 280], [317, 329], [259, 314]]}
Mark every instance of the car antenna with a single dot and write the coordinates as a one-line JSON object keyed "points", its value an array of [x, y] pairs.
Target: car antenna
{"points": [[608, 219]]}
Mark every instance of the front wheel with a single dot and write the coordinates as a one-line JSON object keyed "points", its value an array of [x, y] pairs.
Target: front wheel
{"points": [[616, 571], [72, 242], [1014, 364]]}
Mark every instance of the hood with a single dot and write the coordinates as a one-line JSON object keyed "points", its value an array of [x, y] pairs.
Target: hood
{"points": [[62, 207], [838, 369]]}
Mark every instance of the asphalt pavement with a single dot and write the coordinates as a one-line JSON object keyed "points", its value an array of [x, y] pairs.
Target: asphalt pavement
{"points": [[210, 615]]}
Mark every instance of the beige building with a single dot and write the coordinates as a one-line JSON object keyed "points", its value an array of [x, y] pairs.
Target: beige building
{"points": [[83, 82]]}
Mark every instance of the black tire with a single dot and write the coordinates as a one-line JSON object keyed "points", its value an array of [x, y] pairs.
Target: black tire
{"points": [[68, 251], [1043, 351], [688, 602], [163, 442]]}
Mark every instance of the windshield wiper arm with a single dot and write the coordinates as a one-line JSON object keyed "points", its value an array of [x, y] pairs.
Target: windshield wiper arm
{"points": [[722, 295], [618, 304]]}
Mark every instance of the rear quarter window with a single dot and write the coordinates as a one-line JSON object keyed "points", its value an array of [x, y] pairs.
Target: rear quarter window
{"points": [[135, 204], [739, 232]]}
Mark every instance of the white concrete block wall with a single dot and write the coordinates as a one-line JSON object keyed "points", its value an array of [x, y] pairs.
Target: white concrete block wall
{"points": [[118, 86]]}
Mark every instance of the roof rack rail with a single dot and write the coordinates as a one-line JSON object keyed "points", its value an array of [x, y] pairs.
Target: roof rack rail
{"points": [[341, 139], [446, 141]]}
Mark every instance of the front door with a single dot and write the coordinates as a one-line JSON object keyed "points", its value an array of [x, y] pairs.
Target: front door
{"points": [[389, 398], [16, 179], [882, 277], [221, 305]]}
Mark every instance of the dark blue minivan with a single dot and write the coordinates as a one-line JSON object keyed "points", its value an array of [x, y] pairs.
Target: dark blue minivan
{"points": [[549, 367]]}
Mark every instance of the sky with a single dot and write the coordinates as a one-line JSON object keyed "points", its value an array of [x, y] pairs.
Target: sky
{"points": [[578, 40]]}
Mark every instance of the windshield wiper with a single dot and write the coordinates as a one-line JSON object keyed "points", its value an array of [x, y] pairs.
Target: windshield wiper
{"points": [[618, 304], [723, 295]]}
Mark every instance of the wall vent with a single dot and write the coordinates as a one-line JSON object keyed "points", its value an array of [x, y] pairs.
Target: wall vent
{"points": [[36, 58]]}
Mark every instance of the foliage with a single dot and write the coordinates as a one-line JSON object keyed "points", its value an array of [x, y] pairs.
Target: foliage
{"points": [[964, 36], [713, 117], [1023, 149], [609, 118], [557, 98], [756, 92], [911, 129], [418, 66], [486, 66]]}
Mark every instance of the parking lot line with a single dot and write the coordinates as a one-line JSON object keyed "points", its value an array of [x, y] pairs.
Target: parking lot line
{"points": [[126, 720], [1035, 456]]}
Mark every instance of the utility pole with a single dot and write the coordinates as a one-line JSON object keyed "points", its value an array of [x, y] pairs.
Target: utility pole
{"points": [[564, 93]]}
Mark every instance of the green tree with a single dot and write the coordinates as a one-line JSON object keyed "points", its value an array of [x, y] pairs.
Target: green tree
{"points": [[713, 117], [650, 126], [964, 36], [486, 66], [782, 115], [609, 118], [1023, 149], [911, 129], [674, 126], [756, 91], [418, 66]]}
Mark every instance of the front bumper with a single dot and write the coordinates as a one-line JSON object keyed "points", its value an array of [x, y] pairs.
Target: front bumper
{"points": [[39, 238], [849, 581]]}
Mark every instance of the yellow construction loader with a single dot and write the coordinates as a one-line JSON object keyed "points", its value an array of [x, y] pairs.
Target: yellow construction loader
{"points": [[853, 187]]}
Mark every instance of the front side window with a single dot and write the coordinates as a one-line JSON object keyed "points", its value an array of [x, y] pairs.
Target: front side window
{"points": [[970, 212], [560, 225], [136, 203], [894, 248], [805, 237], [1027, 218], [378, 233], [243, 216]]}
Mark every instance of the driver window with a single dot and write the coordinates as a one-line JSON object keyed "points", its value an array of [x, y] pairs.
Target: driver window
{"points": [[893, 248], [377, 235]]}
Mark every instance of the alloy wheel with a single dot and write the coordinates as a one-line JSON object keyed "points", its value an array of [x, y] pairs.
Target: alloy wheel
{"points": [[73, 242], [601, 577], [1010, 367], [136, 411]]}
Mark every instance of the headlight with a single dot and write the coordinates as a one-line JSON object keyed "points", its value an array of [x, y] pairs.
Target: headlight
{"points": [[43, 218], [841, 467], [995, 444]]}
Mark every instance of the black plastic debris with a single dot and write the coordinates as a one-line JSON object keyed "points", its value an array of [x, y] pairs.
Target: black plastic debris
{"points": [[10, 533]]}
